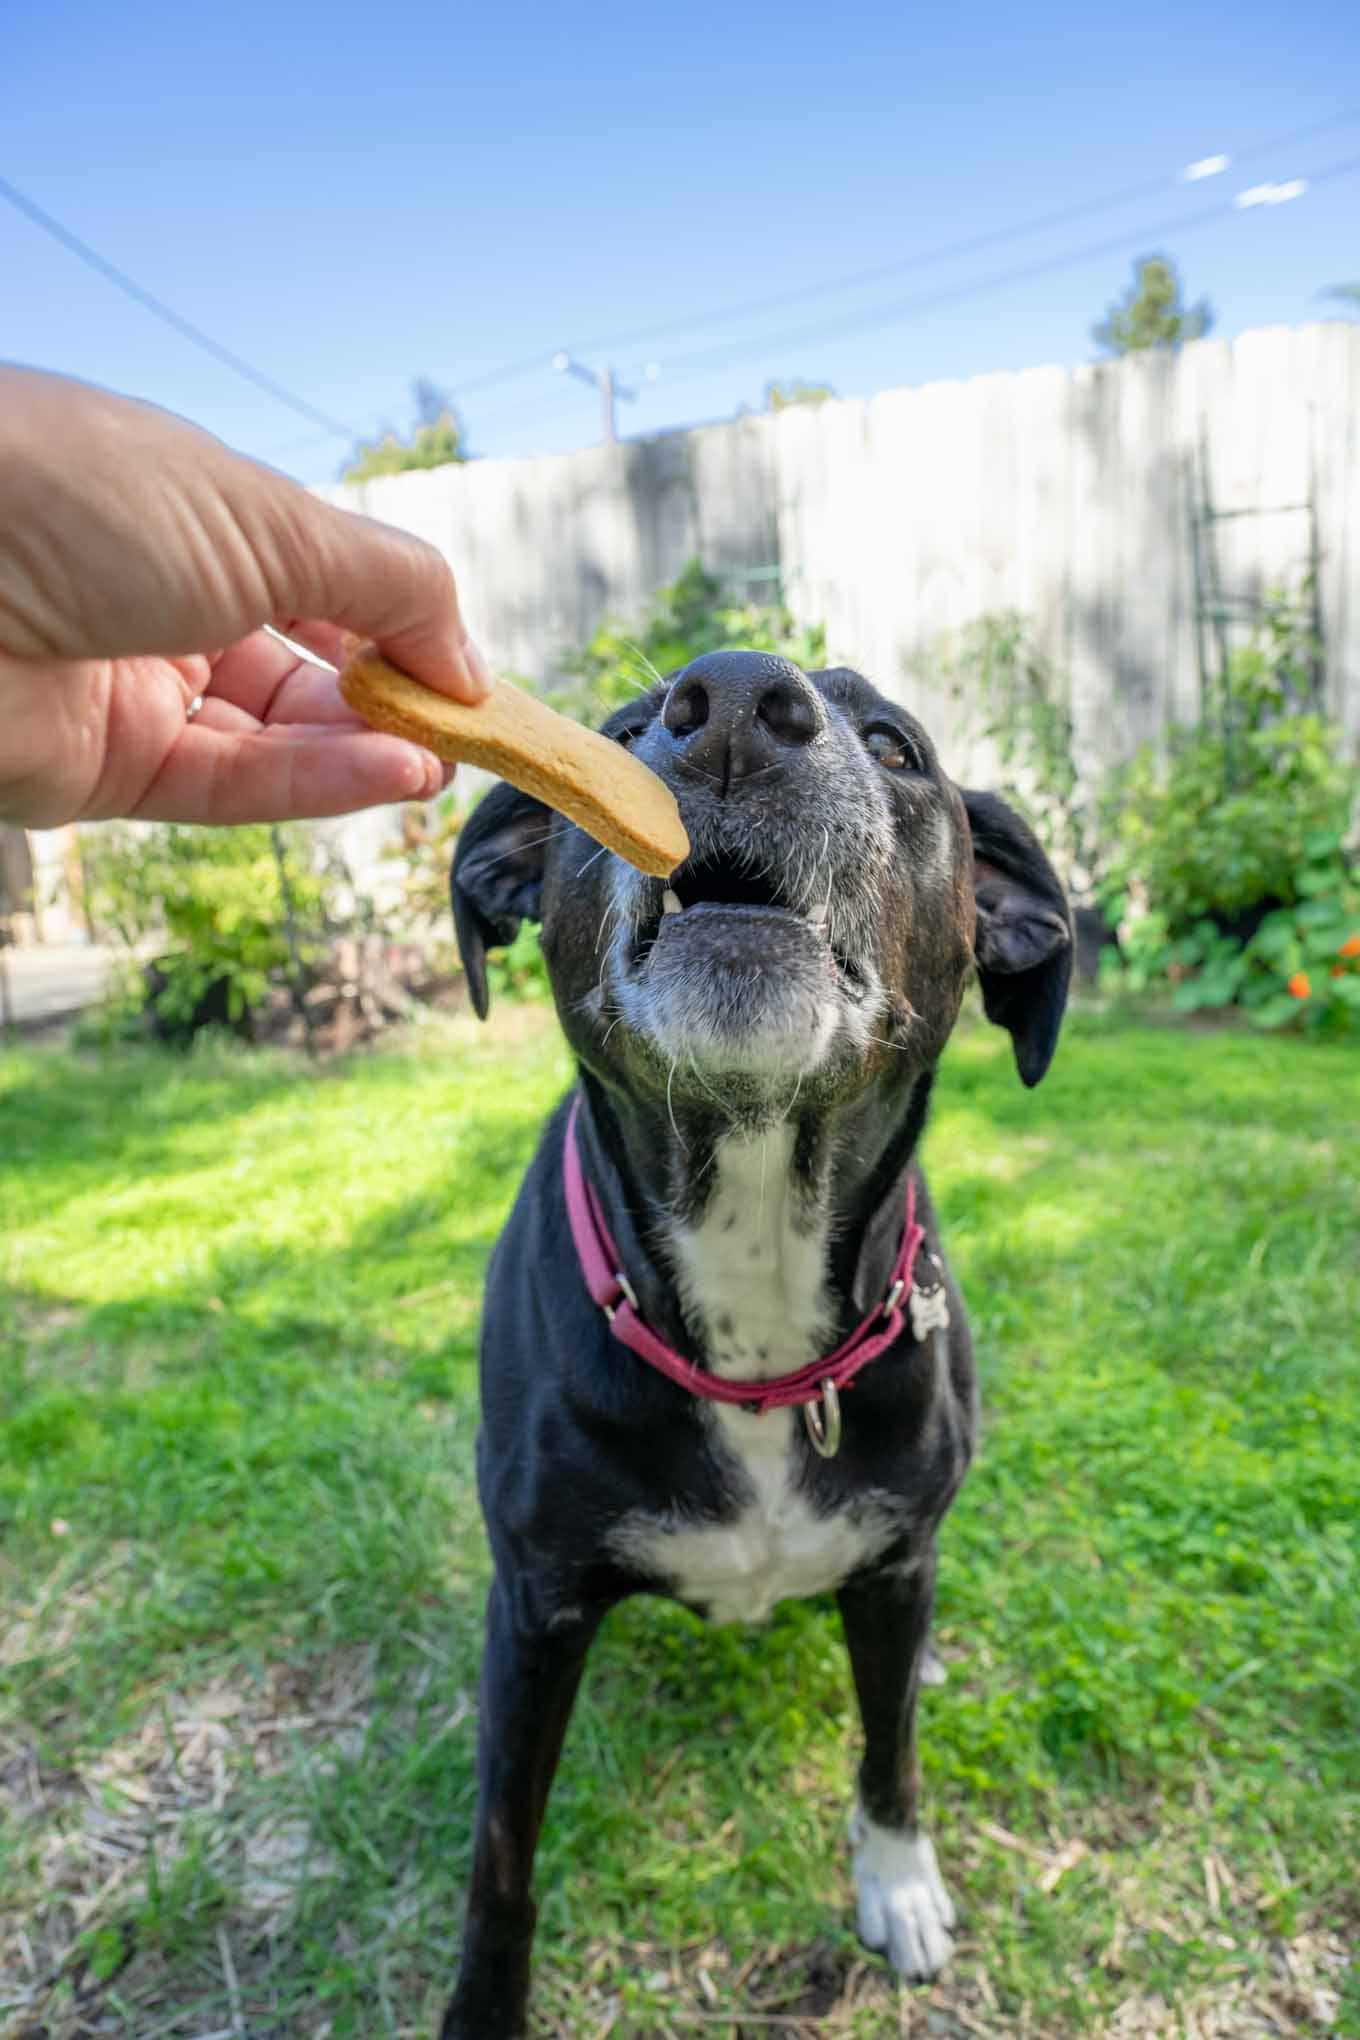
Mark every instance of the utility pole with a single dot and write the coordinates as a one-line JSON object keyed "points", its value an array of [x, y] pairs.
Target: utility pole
{"points": [[609, 395], [611, 390], [603, 380]]}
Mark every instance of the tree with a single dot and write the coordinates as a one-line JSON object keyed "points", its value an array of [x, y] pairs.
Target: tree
{"points": [[1152, 313], [436, 439], [779, 396], [1346, 294]]}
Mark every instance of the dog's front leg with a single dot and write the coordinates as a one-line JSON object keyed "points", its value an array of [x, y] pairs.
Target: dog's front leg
{"points": [[904, 1909], [529, 1682]]}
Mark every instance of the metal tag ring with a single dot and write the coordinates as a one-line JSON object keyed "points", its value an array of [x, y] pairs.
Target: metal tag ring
{"points": [[823, 1420]]}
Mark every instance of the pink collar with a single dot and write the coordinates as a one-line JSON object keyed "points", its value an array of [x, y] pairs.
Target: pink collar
{"points": [[814, 1387]]}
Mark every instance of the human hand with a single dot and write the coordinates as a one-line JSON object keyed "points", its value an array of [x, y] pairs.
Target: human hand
{"points": [[139, 559]]}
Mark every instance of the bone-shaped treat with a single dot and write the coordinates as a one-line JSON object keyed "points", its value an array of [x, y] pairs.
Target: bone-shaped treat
{"points": [[596, 782]]}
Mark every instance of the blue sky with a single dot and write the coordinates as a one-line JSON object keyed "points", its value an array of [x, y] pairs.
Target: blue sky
{"points": [[350, 197]]}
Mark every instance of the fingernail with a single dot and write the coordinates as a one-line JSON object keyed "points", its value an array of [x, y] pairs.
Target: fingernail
{"points": [[432, 779], [476, 665]]}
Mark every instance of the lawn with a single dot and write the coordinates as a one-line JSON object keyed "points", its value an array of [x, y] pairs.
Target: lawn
{"points": [[242, 1570]]}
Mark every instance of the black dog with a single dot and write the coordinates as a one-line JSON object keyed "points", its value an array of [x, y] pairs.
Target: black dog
{"points": [[756, 1047]]}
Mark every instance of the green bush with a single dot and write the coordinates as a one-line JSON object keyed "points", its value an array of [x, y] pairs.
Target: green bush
{"points": [[436, 444], [1207, 835], [207, 912], [1302, 963], [1228, 861], [519, 972], [685, 620], [426, 850]]}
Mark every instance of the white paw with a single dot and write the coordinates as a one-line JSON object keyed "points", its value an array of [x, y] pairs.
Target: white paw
{"points": [[904, 1909], [933, 1671]]}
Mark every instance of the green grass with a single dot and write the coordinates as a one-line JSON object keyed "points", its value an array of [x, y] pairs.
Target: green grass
{"points": [[241, 1571]]}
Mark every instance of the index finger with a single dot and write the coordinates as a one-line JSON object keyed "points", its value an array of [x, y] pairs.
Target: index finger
{"points": [[387, 586]]}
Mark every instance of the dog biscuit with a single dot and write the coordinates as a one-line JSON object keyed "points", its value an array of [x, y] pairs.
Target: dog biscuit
{"points": [[594, 781]]}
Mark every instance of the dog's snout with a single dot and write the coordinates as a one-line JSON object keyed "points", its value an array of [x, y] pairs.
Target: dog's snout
{"points": [[732, 714]]}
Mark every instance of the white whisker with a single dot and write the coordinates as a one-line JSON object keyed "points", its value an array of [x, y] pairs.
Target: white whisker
{"points": [[612, 908], [656, 679], [670, 1109], [534, 843], [638, 687], [708, 1090], [881, 1041]]}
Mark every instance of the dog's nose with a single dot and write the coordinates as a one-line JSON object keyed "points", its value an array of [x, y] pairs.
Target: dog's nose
{"points": [[732, 714]]}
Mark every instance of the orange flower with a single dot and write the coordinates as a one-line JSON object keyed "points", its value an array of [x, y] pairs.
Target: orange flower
{"points": [[1350, 947], [1299, 987]]}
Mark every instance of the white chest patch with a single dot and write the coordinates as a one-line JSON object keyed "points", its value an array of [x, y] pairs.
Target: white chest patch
{"points": [[752, 1272], [752, 1279]]}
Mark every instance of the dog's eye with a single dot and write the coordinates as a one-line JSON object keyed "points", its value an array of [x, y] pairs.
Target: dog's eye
{"points": [[891, 749]]}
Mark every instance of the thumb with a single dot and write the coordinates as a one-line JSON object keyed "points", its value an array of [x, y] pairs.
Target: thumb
{"points": [[390, 587]]}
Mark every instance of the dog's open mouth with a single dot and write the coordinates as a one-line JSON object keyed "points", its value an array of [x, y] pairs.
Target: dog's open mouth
{"points": [[725, 900]]}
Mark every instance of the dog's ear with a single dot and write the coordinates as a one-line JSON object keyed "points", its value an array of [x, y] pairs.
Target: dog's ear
{"points": [[1023, 945], [497, 878]]}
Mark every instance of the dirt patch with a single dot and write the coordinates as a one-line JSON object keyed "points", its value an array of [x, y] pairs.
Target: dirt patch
{"points": [[176, 1792]]}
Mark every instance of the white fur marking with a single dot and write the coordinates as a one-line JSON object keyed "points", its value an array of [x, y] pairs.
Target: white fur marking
{"points": [[904, 1909], [753, 1284]]}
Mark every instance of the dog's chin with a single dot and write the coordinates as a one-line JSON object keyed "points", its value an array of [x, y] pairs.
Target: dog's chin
{"points": [[741, 992]]}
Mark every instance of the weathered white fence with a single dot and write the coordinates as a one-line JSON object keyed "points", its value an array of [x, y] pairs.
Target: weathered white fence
{"points": [[1071, 495], [1068, 494]]}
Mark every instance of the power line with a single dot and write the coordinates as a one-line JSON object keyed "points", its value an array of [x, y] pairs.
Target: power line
{"points": [[335, 428], [531, 364], [689, 367], [948, 250], [859, 279], [705, 359], [691, 364]]}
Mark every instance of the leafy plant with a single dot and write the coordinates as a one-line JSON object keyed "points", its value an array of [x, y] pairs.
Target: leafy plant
{"points": [[519, 972], [685, 620], [437, 439], [429, 839], [780, 396], [1220, 828], [1017, 701], [1194, 843], [1229, 866], [216, 914], [1302, 964]]}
